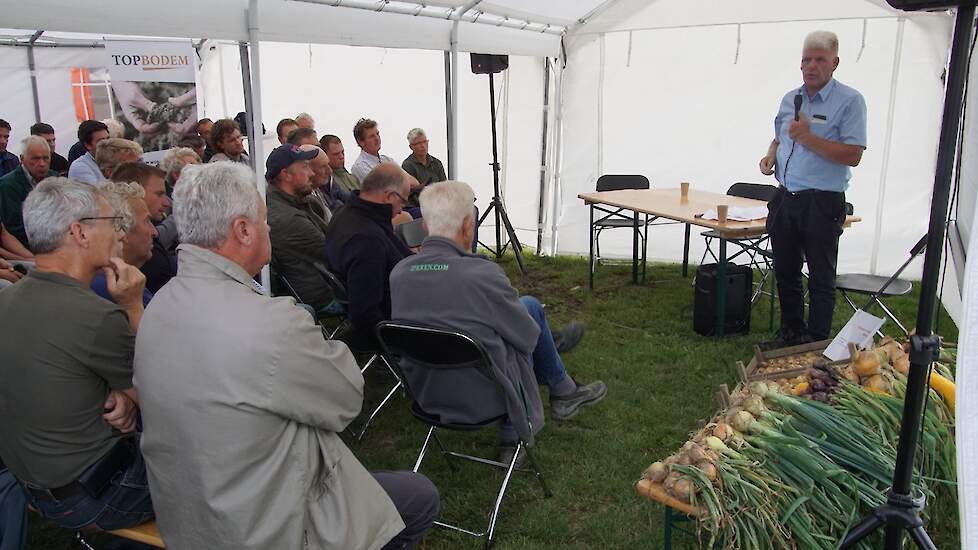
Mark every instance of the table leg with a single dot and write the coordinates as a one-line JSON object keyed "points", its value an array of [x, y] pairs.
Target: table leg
{"points": [[686, 253], [722, 288], [667, 529], [590, 256], [645, 247], [635, 247]]}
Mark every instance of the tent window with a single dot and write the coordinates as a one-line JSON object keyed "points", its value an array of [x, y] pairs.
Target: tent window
{"points": [[92, 93]]}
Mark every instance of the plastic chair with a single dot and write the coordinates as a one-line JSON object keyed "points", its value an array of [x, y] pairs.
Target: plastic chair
{"points": [[878, 287], [437, 351], [412, 232]]}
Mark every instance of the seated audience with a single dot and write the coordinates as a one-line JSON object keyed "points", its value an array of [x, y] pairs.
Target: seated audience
{"points": [[162, 266], [424, 167], [35, 157], [204, 128], [342, 182], [58, 163], [227, 143], [112, 152], [472, 293], [283, 128], [173, 162], [8, 160], [11, 248], [137, 243], [67, 401], [368, 138], [320, 199], [298, 232], [305, 120], [8, 275], [361, 250], [302, 136], [84, 168], [195, 144], [242, 400]]}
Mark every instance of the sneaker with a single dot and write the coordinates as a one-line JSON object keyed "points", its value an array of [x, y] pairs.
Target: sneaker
{"points": [[506, 451], [563, 408], [568, 337]]}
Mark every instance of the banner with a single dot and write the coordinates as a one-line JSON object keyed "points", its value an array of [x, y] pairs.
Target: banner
{"points": [[154, 95]]}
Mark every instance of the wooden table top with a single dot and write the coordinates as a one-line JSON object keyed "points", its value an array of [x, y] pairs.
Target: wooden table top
{"points": [[668, 203]]}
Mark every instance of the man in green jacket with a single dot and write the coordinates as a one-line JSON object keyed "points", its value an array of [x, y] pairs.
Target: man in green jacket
{"points": [[35, 165]]}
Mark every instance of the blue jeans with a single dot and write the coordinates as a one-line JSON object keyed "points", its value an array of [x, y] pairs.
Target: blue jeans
{"points": [[125, 503], [13, 512], [547, 365]]}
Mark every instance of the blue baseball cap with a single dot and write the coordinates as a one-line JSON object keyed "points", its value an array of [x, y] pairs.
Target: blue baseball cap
{"points": [[284, 156]]}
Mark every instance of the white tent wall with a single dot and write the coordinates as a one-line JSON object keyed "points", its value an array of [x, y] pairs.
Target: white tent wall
{"points": [[400, 89], [697, 104], [53, 71]]}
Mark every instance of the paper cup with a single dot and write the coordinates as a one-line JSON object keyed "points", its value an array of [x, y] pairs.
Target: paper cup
{"points": [[722, 213], [684, 189]]}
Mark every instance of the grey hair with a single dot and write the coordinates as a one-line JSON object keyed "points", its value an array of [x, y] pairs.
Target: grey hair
{"points": [[414, 133], [118, 194], [109, 151], [383, 177], [304, 116], [445, 205], [822, 40], [175, 159], [31, 141], [115, 128], [210, 197], [52, 207]]}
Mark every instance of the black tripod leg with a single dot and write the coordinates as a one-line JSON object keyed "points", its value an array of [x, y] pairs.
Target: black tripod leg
{"points": [[862, 530], [513, 240], [920, 536]]}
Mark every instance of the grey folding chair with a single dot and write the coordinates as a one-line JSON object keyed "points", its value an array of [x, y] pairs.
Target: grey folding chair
{"points": [[412, 232], [877, 287], [437, 352], [373, 355], [290, 290]]}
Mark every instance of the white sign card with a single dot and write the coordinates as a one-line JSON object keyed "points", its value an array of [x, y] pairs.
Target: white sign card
{"points": [[859, 330]]}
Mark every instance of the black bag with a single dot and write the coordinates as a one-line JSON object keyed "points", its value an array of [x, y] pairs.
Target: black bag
{"points": [[740, 281]]}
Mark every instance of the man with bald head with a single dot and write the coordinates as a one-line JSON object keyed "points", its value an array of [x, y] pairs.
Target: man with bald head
{"points": [[298, 228], [362, 249]]}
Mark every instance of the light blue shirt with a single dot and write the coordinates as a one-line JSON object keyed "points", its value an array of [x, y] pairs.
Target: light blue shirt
{"points": [[85, 170], [367, 162], [836, 113]]}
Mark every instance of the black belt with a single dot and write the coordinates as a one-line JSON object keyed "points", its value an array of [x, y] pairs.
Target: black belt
{"points": [[95, 479], [806, 191]]}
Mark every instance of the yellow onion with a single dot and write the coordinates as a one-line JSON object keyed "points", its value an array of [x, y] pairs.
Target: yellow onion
{"points": [[656, 472], [866, 364], [722, 431]]}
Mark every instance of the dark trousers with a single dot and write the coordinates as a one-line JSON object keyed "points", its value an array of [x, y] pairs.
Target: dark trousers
{"points": [[806, 227], [416, 500]]}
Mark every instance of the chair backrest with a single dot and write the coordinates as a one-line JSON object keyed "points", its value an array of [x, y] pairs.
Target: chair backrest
{"points": [[412, 232], [277, 274], [758, 191], [334, 283], [617, 182]]}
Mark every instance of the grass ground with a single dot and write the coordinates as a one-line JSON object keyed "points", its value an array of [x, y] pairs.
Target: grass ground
{"points": [[661, 377]]}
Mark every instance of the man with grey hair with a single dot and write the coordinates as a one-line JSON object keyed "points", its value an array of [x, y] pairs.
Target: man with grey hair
{"points": [[446, 286], [362, 249], [173, 162], [424, 167], [242, 399], [35, 165], [305, 120], [820, 131], [137, 244], [112, 152], [68, 353]]}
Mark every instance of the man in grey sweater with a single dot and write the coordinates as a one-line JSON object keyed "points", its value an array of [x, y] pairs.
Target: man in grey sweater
{"points": [[446, 286]]}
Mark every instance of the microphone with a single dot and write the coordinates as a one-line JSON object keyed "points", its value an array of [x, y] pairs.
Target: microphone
{"points": [[797, 105]]}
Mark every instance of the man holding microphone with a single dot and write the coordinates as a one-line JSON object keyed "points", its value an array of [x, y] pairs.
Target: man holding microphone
{"points": [[820, 131]]}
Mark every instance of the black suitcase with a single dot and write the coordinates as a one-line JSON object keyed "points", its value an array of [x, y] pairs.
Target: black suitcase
{"points": [[740, 281]]}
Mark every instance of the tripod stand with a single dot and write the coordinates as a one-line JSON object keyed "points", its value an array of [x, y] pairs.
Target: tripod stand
{"points": [[901, 512], [496, 206]]}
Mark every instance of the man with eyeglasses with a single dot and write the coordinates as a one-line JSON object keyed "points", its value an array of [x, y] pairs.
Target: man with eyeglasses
{"points": [[424, 167], [362, 249], [67, 404]]}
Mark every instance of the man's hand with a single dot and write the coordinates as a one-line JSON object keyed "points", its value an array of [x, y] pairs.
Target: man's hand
{"points": [[767, 165], [125, 283], [133, 101], [799, 130], [120, 411], [188, 98], [8, 273]]}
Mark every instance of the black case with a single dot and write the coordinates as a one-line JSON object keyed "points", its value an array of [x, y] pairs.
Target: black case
{"points": [[740, 281]]}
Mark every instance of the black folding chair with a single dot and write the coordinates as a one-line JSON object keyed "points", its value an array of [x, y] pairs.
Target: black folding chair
{"points": [[439, 351], [412, 232], [290, 290], [757, 249], [878, 287], [620, 217], [341, 297]]}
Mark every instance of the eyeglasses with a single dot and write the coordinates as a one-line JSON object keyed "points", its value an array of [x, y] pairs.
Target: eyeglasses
{"points": [[399, 196], [116, 220], [419, 142]]}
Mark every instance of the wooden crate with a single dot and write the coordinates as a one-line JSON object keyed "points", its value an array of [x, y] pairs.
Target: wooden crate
{"points": [[750, 372]]}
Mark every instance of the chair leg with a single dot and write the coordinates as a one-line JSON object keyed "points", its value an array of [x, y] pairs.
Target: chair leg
{"points": [[424, 449], [538, 474], [501, 494], [444, 452], [892, 317], [80, 541], [369, 362], [377, 410], [597, 246]]}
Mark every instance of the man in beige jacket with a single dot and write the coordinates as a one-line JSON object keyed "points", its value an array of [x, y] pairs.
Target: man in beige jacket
{"points": [[242, 399]]}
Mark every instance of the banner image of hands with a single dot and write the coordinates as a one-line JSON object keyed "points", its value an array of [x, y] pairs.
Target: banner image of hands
{"points": [[154, 92]]}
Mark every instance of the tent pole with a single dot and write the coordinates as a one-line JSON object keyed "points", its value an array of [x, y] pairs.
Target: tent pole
{"points": [[253, 89], [881, 193], [449, 115], [451, 80], [543, 154], [246, 86], [33, 71], [555, 196]]}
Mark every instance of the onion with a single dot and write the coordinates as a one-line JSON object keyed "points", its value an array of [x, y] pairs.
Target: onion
{"points": [[866, 364], [817, 385], [773, 387], [695, 454], [742, 421], [684, 460], [902, 364], [671, 480], [656, 472], [755, 406], [877, 384], [708, 468], [682, 489], [758, 388], [821, 397], [732, 412], [722, 431]]}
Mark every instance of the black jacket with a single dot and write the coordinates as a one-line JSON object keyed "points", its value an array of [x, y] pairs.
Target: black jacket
{"points": [[362, 249], [298, 236], [160, 268]]}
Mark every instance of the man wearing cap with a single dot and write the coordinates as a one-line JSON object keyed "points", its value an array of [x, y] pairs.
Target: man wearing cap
{"points": [[298, 233]]}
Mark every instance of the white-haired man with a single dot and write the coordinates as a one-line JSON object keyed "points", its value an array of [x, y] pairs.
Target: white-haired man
{"points": [[243, 399], [173, 162], [820, 131], [112, 152], [68, 360], [446, 286], [305, 120], [424, 167], [35, 165]]}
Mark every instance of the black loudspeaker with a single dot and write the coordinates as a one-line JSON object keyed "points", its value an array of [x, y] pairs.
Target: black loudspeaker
{"points": [[483, 63], [915, 5], [740, 281]]}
